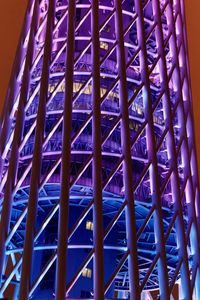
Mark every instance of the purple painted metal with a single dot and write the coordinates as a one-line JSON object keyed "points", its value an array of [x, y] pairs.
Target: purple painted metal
{"points": [[66, 158], [126, 152], [173, 157], [153, 169], [189, 190], [97, 159], [13, 89], [37, 161], [7, 204], [99, 173]]}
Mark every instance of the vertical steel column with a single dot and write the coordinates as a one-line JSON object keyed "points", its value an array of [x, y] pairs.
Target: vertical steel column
{"points": [[37, 160], [127, 163], [153, 170], [171, 150], [12, 171], [190, 195], [98, 265], [5, 126], [61, 267], [194, 164]]}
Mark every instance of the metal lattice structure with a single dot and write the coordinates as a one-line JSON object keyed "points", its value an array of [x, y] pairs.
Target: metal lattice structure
{"points": [[99, 184]]}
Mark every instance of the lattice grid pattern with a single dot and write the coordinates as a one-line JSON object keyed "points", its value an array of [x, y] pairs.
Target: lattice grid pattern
{"points": [[99, 184]]}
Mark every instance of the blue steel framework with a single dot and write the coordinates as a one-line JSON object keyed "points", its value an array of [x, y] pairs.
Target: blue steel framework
{"points": [[99, 182]]}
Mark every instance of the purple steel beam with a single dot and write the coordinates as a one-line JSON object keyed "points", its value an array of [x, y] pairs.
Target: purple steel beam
{"points": [[121, 79], [98, 264], [8, 198], [6, 122], [171, 148], [127, 162], [153, 169], [60, 119], [191, 142], [61, 267], [189, 193], [37, 160], [194, 164]]}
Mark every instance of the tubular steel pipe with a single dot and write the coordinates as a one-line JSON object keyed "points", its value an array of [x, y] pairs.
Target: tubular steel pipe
{"points": [[6, 121], [61, 267], [191, 145], [37, 160], [98, 262], [127, 163], [194, 236], [8, 198], [105, 97], [194, 164], [179, 223], [156, 197]]}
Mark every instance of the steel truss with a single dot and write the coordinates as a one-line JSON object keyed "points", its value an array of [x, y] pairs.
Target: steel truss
{"points": [[99, 183]]}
